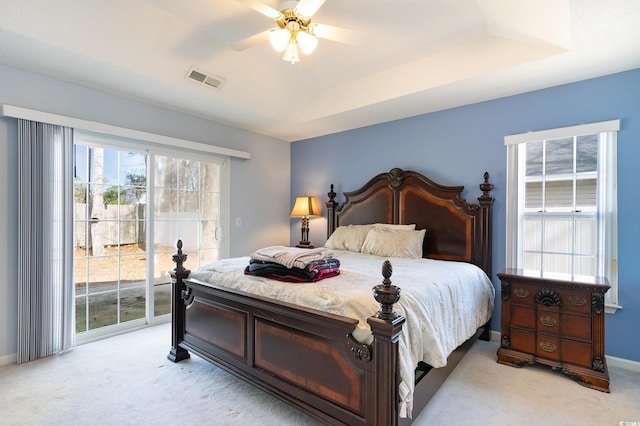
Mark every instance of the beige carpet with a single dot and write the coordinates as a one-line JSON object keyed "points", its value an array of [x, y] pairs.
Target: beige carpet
{"points": [[127, 380]]}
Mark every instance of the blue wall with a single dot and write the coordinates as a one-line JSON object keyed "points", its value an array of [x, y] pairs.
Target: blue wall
{"points": [[456, 146]]}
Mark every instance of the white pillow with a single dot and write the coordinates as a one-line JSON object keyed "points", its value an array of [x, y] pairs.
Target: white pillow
{"points": [[387, 242], [392, 226], [349, 237]]}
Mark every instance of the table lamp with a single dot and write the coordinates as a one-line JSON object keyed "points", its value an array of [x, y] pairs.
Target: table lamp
{"points": [[305, 207]]}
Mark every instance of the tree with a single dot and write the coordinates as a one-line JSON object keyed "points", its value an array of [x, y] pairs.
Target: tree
{"points": [[138, 181], [113, 195]]}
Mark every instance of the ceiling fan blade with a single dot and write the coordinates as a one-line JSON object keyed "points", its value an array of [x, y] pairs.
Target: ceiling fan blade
{"points": [[260, 7], [251, 41], [307, 8], [338, 34]]}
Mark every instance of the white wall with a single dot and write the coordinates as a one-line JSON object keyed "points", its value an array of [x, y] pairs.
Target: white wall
{"points": [[260, 187]]}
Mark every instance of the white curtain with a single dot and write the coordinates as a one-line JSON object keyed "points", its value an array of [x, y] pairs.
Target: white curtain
{"points": [[45, 240]]}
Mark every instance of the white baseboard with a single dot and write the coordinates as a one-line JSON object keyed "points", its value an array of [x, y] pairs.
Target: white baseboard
{"points": [[612, 361], [627, 364], [8, 359]]}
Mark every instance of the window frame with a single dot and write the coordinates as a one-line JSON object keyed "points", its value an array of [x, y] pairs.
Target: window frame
{"points": [[607, 244]]}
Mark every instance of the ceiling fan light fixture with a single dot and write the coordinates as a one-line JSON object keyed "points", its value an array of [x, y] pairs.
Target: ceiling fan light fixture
{"points": [[293, 28], [307, 42], [291, 52], [279, 39]]}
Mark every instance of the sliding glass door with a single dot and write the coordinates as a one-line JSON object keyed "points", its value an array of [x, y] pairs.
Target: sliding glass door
{"points": [[131, 206], [187, 206], [110, 236]]}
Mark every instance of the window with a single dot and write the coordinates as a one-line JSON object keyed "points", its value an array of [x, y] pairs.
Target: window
{"points": [[132, 203], [561, 202]]}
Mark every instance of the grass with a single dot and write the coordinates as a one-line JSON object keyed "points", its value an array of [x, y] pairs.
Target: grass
{"points": [[103, 307], [100, 307]]}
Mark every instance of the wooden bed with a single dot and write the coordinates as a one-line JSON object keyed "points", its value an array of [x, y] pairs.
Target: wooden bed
{"points": [[309, 358]]}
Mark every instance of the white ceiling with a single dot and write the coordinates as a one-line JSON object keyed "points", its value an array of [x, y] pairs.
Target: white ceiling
{"points": [[409, 57]]}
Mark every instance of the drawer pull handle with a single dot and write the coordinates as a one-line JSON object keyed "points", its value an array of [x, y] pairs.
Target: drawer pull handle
{"points": [[577, 301], [520, 292], [548, 347], [548, 321]]}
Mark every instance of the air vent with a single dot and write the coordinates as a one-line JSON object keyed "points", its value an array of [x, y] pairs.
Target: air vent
{"points": [[204, 78]]}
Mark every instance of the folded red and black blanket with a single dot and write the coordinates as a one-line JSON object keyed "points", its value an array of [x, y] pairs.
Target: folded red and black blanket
{"points": [[314, 271]]}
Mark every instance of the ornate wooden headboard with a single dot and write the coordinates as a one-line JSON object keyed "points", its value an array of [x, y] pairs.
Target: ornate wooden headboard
{"points": [[456, 230]]}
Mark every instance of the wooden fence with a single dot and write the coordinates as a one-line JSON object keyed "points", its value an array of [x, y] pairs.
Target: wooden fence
{"points": [[120, 224]]}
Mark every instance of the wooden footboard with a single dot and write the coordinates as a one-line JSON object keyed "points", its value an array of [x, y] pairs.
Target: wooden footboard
{"points": [[302, 356]]}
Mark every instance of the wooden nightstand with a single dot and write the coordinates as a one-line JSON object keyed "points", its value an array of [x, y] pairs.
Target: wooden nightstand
{"points": [[554, 320]]}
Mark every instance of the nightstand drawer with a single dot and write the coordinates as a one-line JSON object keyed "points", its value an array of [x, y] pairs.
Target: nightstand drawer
{"points": [[576, 301], [576, 353], [522, 340], [523, 294], [523, 317], [548, 347], [576, 326], [548, 322]]}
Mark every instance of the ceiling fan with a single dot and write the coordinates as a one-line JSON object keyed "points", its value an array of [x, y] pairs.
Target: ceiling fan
{"points": [[294, 28]]}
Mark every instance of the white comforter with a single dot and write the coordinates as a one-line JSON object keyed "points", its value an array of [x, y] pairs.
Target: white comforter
{"points": [[443, 302]]}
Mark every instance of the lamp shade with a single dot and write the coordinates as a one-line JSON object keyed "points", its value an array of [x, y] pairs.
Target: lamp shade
{"points": [[279, 39], [305, 206], [307, 42], [291, 52]]}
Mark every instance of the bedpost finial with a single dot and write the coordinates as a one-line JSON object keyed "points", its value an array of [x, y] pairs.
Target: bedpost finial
{"points": [[331, 194], [387, 270], [486, 187], [179, 258], [331, 211], [386, 294]]}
